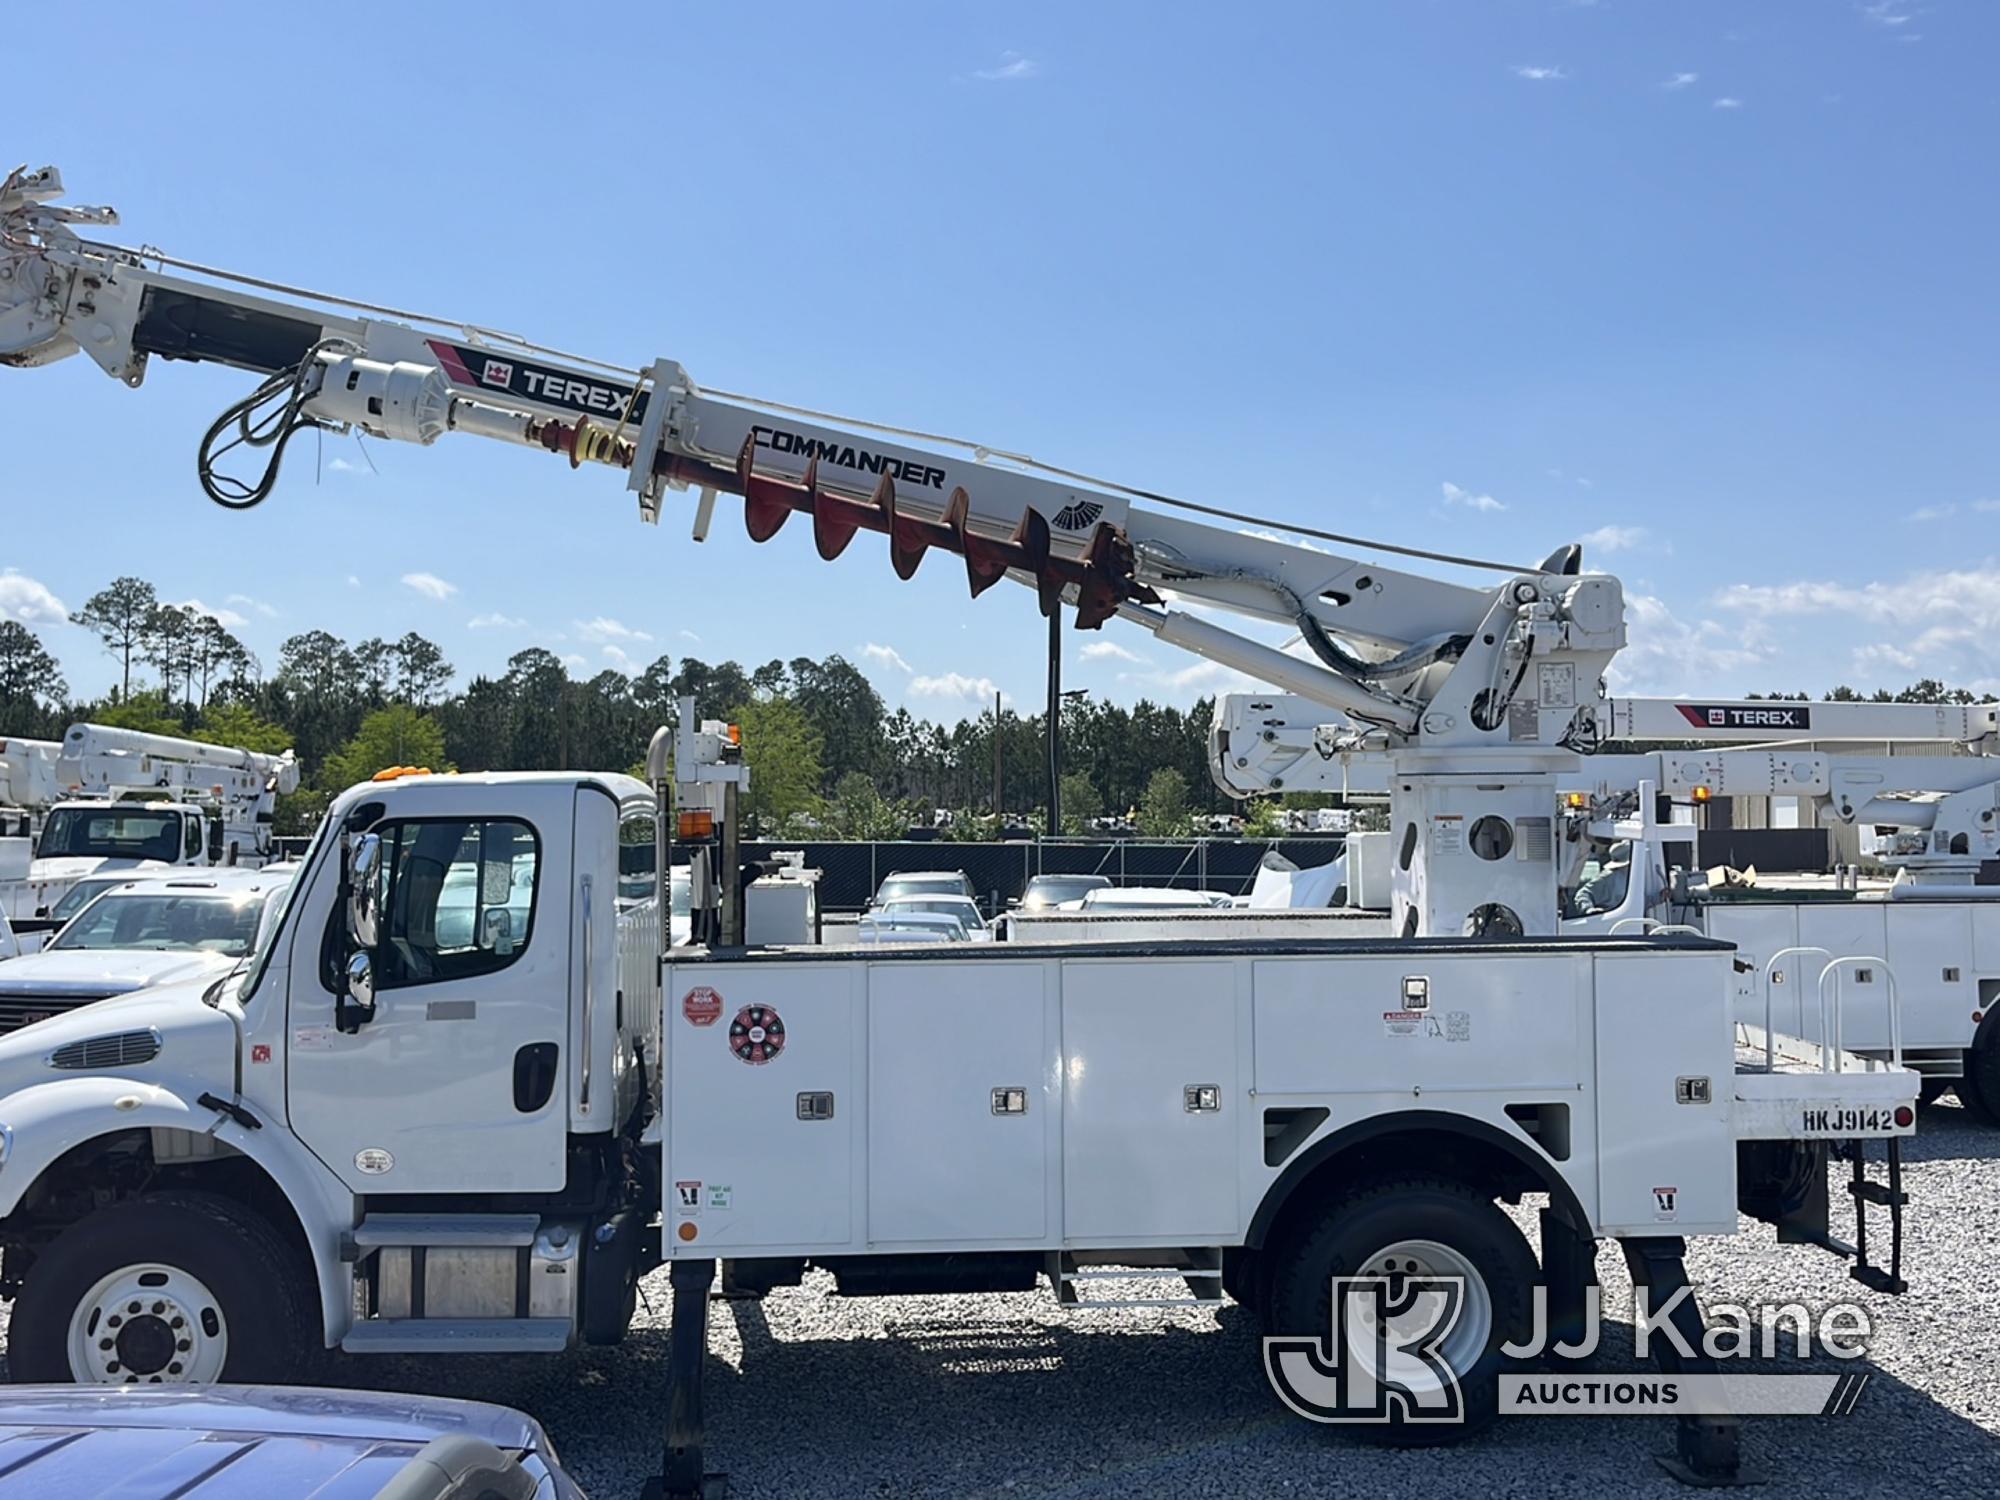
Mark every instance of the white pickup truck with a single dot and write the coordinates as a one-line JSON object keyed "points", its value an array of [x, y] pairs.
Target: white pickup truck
{"points": [[444, 1108]]}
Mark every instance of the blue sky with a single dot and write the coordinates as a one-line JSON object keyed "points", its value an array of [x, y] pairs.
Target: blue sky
{"points": [[1708, 286]]}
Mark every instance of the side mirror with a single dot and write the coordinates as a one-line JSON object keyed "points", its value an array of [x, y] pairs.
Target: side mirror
{"points": [[359, 979], [364, 863], [496, 931]]}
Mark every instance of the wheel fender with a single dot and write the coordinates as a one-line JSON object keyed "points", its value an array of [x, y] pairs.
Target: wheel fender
{"points": [[40, 1124], [1410, 1121]]}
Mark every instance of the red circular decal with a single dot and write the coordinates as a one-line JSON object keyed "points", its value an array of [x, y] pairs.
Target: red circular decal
{"points": [[702, 1006], [757, 1034]]}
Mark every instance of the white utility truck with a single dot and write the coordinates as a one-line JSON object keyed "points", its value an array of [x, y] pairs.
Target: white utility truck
{"points": [[116, 799], [394, 1132], [1932, 933]]}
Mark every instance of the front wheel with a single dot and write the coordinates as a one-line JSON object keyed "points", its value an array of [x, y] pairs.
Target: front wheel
{"points": [[1434, 1230], [166, 1289]]}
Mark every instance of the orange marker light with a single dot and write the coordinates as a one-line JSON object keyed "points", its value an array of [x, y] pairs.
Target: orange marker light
{"points": [[1701, 794], [688, 1231], [697, 825], [735, 732]]}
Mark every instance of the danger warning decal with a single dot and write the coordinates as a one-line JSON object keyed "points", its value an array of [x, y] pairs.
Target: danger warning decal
{"points": [[1746, 715], [701, 1006], [757, 1034]]}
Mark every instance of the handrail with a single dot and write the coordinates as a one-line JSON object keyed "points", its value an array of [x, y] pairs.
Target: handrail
{"points": [[589, 952], [1832, 971], [1649, 926], [1770, 967]]}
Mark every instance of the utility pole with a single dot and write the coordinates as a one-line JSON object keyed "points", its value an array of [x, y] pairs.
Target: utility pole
{"points": [[1054, 828], [998, 804]]}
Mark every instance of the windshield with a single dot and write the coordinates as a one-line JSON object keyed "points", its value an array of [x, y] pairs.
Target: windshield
{"points": [[939, 905], [207, 922], [80, 895], [112, 832], [1053, 890], [902, 887]]}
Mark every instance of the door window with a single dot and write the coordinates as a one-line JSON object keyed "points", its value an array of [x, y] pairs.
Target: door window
{"points": [[457, 898]]}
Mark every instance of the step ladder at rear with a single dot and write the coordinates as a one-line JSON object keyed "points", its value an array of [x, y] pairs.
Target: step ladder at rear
{"points": [[1120, 1283], [1787, 1088]]}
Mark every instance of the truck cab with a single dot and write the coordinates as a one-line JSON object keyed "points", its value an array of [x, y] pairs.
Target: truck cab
{"points": [[421, 1141], [88, 836]]}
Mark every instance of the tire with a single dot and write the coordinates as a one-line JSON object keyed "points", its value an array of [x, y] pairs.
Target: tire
{"points": [[1349, 1239], [1979, 1085], [220, 1295]]}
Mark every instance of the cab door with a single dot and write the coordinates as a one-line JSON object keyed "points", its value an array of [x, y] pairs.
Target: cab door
{"points": [[459, 1083]]}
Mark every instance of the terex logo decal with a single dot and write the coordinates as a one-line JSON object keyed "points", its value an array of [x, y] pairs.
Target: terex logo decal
{"points": [[1747, 716], [545, 385]]}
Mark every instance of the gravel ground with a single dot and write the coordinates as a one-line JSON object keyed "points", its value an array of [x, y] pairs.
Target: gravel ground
{"points": [[1005, 1396]]}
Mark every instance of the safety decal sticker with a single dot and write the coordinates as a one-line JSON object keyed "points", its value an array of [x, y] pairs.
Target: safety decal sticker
{"points": [[757, 1034], [689, 1196], [701, 1006], [1666, 1204], [260, 1052], [720, 1194]]}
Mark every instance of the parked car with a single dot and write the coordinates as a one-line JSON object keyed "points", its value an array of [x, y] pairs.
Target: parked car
{"points": [[961, 908], [243, 1442], [878, 927], [912, 883], [1047, 891], [138, 934]]}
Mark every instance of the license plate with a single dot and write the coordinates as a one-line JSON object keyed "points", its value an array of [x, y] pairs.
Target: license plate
{"points": [[1842, 1122]]}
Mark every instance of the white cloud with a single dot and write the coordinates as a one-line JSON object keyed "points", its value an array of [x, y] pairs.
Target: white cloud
{"points": [[269, 612], [1869, 661], [342, 466], [1665, 654], [689, 635], [1539, 74], [1108, 651], [1285, 539], [494, 620], [1615, 538], [1680, 80], [604, 628], [429, 585], [228, 619], [29, 600], [955, 685], [1965, 650], [1728, 103], [1932, 512], [1012, 68], [1206, 677], [1453, 495], [888, 656], [575, 660], [353, 582], [1891, 13], [618, 658], [1988, 506]]}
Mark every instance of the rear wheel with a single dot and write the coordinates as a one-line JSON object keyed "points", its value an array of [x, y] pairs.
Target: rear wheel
{"points": [[167, 1289], [1979, 1085], [1426, 1228]]}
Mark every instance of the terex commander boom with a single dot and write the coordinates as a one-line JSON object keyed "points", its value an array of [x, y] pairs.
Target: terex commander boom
{"points": [[460, 1100], [1493, 682]]}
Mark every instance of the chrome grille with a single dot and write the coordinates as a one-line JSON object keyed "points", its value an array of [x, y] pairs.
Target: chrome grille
{"points": [[17, 1011], [121, 1049]]}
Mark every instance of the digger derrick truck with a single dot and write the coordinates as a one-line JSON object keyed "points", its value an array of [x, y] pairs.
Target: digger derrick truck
{"points": [[105, 799], [460, 1100], [1931, 935]]}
